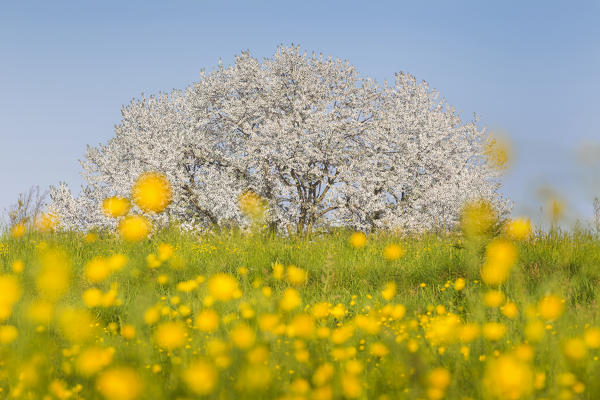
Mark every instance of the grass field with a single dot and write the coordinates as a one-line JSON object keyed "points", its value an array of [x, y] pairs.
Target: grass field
{"points": [[231, 315]]}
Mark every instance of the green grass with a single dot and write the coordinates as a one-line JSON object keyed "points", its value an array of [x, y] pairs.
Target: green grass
{"points": [[564, 264]]}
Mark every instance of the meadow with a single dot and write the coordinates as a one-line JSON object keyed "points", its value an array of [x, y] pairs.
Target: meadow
{"points": [[234, 314]]}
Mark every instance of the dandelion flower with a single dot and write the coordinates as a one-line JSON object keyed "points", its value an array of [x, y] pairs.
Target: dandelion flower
{"points": [[393, 252], [119, 383], [223, 287], [358, 240], [152, 192], [200, 377], [115, 207], [134, 228]]}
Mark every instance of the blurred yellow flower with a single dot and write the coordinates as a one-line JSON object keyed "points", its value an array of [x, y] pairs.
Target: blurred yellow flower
{"points": [[152, 192], [46, 222], [296, 276], [8, 334], [519, 229], [97, 269], [18, 230], [498, 152], [575, 349], [592, 337], [54, 277], [115, 207], [477, 218], [392, 252], [358, 240], [243, 336], [223, 287], [439, 378], [390, 291], [93, 359], [170, 335], [493, 298], [507, 378], [92, 297], [290, 300], [134, 228], [200, 377], [119, 383], [165, 251], [10, 292], [252, 205], [493, 331], [510, 310], [76, 324], [18, 266], [551, 307], [207, 320], [501, 256], [459, 284]]}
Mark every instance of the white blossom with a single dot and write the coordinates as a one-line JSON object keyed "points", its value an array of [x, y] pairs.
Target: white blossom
{"points": [[322, 145]]}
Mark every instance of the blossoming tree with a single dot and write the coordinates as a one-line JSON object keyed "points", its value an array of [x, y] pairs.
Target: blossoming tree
{"points": [[320, 144]]}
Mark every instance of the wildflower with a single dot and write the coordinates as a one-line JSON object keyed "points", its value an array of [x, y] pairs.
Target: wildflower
{"points": [[323, 374], [18, 230], [320, 310], [40, 312], [115, 207], [358, 240], [187, 286], [8, 334], [469, 332], [390, 291], [207, 320], [152, 192], [93, 359], [339, 311], [278, 271], [134, 228], [493, 298], [534, 331], [477, 218], [165, 251], [10, 292], [116, 262], [592, 337], [493, 331], [510, 310], [393, 252], [77, 325], [378, 349], [128, 331], [46, 222], [290, 300], [252, 205], [152, 261], [296, 276], [243, 336], [519, 229], [438, 378], [97, 269], [302, 325], [551, 307], [200, 377], [255, 378], [18, 266], [351, 386], [119, 383], [92, 297], [53, 279], [459, 284], [508, 378], [223, 287], [501, 256], [575, 349], [170, 335]]}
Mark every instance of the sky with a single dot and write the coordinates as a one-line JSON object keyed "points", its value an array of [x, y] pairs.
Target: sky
{"points": [[529, 70]]}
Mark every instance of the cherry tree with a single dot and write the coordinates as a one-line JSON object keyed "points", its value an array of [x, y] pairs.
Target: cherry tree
{"points": [[322, 145]]}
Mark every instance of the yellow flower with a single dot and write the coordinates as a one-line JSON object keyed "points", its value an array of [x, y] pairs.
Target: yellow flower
{"points": [[115, 207], [351, 386], [93, 359], [575, 349], [151, 316], [117, 261], [187, 286], [510, 310], [243, 336], [207, 320], [551, 307], [290, 300], [296, 276], [323, 374], [498, 152], [439, 378], [54, 277], [534, 331], [46, 222], [18, 266], [519, 229], [592, 337], [92, 297], [378, 349], [278, 271], [170, 335], [40, 312], [501, 256], [77, 325], [18, 230], [493, 298], [200, 377], [358, 240], [134, 228], [393, 252], [339, 311], [10, 292], [390, 291], [493, 331], [8, 334], [302, 325], [252, 205], [97, 269], [459, 284], [320, 310], [165, 251], [469, 332], [128, 331], [119, 383], [508, 378], [152, 192], [477, 218], [223, 287]]}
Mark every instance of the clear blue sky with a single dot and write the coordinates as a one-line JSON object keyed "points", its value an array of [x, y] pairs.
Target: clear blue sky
{"points": [[531, 69]]}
